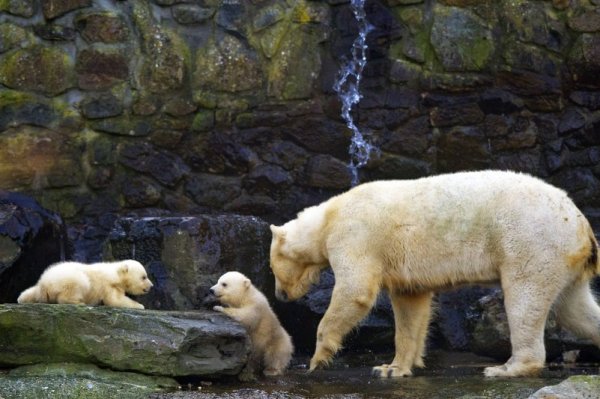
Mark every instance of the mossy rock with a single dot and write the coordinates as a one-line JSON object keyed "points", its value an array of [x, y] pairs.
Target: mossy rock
{"points": [[461, 40], [12, 36], [172, 344], [228, 65], [294, 70], [577, 386], [78, 381], [47, 70], [48, 157], [167, 56]]}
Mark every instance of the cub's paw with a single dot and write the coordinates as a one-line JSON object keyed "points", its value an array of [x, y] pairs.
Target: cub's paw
{"points": [[218, 308], [270, 372], [137, 306], [390, 371]]}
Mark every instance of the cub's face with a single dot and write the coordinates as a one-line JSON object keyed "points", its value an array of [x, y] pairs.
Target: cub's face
{"points": [[231, 288], [293, 277], [135, 278]]}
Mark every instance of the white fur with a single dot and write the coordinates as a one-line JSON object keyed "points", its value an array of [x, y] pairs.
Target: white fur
{"points": [[90, 284], [271, 345], [413, 237]]}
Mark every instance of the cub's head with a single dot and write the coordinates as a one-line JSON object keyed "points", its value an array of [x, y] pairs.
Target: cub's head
{"points": [[231, 288], [134, 277], [294, 272]]}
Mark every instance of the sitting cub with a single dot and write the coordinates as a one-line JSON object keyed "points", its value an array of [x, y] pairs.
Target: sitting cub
{"points": [[271, 345]]}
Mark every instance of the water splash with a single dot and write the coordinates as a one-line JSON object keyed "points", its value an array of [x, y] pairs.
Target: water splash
{"points": [[347, 87]]}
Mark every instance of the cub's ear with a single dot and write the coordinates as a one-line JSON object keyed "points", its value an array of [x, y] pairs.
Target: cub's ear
{"points": [[123, 268], [247, 283], [278, 231]]}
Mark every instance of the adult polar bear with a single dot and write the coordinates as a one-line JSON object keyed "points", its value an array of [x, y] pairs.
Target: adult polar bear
{"points": [[414, 237]]}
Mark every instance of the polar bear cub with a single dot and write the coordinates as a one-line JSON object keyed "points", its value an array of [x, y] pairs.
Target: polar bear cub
{"points": [[271, 345], [90, 284]]}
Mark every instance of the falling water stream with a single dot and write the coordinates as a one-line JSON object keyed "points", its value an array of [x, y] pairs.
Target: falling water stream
{"points": [[347, 86]]}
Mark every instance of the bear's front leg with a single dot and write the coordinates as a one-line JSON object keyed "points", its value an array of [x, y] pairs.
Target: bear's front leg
{"points": [[235, 313], [120, 300], [351, 301]]}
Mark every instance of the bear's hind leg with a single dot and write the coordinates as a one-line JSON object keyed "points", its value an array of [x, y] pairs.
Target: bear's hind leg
{"points": [[70, 296], [411, 317], [577, 310], [527, 306]]}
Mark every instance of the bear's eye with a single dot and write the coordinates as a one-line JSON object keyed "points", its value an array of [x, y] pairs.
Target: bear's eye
{"points": [[144, 278], [224, 284]]}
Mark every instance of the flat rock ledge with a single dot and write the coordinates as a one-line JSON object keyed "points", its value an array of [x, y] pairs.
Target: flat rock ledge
{"points": [[158, 343]]}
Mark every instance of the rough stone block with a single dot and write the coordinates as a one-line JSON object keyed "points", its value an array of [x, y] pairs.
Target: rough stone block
{"points": [[173, 344]]}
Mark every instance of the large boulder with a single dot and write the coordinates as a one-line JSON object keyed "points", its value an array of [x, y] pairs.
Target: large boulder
{"points": [[185, 256], [490, 333], [173, 344], [31, 238]]}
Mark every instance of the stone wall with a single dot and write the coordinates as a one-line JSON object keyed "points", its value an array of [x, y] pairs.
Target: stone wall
{"points": [[208, 106]]}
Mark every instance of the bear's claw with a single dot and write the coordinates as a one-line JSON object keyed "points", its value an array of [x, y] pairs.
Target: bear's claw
{"points": [[390, 371]]}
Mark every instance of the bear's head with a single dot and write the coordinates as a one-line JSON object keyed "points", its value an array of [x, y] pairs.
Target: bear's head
{"points": [[134, 277], [295, 268], [231, 288]]}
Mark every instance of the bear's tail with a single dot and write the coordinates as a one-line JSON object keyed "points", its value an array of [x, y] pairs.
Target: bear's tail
{"points": [[31, 295]]}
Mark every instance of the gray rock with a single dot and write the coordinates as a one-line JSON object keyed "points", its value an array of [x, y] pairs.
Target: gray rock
{"points": [[490, 335], [460, 39], [578, 386], [185, 256], [192, 14], [171, 344]]}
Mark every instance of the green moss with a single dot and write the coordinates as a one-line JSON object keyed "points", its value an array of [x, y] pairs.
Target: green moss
{"points": [[13, 97], [167, 55], [301, 13], [205, 99], [481, 50], [48, 70], [244, 120], [203, 121], [73, 380]]}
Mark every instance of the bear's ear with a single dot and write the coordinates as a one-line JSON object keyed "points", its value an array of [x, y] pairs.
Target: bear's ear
{"points": [[123, 268], [247, 283], [278, 231]]}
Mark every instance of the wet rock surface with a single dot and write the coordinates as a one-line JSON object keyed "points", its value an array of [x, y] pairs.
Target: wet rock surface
{"points": [[448, 375], [173, 344], [573, 387]]}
